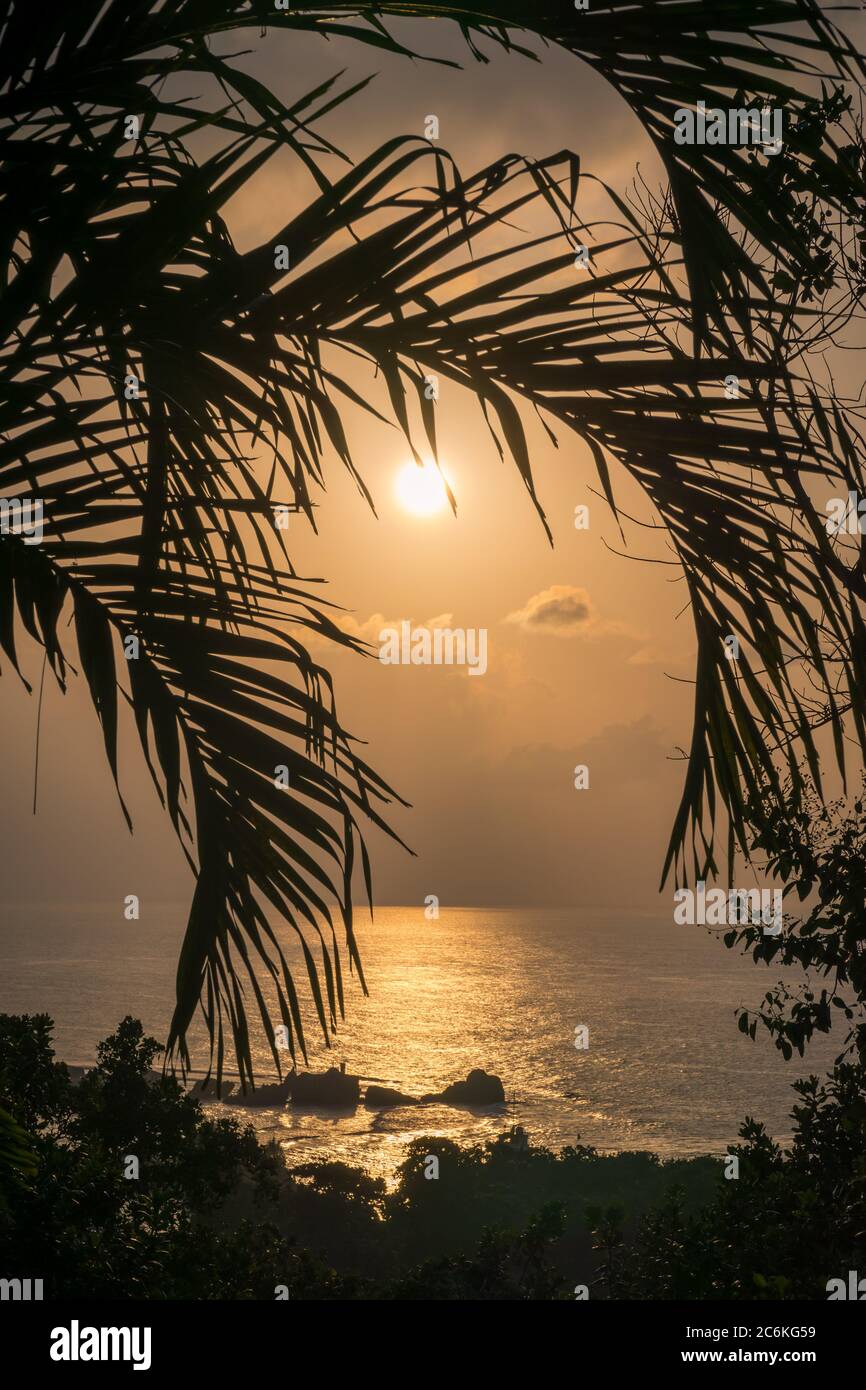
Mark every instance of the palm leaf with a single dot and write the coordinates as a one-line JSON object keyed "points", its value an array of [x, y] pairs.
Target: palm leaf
{"points": [[118, 262]]}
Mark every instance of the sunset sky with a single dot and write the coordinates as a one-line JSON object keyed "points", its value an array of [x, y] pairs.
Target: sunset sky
{"points": [[448, 517], [588, 660]]}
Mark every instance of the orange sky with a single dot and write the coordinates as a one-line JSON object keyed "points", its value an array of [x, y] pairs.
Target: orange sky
{"points": [[487, 762]]}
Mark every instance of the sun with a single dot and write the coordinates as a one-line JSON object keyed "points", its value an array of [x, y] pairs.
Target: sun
{"points": [[422, 491]]}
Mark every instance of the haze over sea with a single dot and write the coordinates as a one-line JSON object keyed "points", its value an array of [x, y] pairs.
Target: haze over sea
{"points": [[502, 989]]}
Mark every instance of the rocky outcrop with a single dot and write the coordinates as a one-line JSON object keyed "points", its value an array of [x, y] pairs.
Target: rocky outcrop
{"points": [[338, 1090], [333, 1088], [277, 1094], [479, 1088], [207, 1090], [383, 1097]]}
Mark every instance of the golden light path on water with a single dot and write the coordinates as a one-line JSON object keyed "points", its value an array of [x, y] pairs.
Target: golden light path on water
{"points": [[502, 989]]}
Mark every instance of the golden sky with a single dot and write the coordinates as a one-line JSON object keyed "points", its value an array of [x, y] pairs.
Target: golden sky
{"points": [[487, 762]]}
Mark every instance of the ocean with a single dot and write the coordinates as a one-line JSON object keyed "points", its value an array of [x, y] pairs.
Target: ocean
{"points": [[504, 989]]}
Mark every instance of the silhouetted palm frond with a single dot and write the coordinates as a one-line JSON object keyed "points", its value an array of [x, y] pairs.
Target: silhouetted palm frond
{"points": [[133, 414], [658, 56], [163, 394]]}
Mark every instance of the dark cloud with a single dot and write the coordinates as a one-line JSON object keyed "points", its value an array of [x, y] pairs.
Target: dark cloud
{"points": [[561, 608]]}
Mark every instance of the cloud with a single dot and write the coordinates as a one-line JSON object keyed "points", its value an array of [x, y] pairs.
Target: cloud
{"points": [[566, 611], [561, 609]]}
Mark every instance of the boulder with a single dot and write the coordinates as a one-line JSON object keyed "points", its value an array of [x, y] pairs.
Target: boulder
{"points": [[276, 1094], [385, 1096], [208, 1090], [332, 1088], [479, 1088]]}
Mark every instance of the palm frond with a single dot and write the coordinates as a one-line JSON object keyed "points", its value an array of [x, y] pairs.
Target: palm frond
{"points": [[149, 368], [659, 57]]}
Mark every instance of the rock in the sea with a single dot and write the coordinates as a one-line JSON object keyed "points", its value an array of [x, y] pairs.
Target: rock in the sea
{"points": [[276, 1094], [208, 1090], [385, 1096], [332, 1087], [336, 1089], [479, 1088]]}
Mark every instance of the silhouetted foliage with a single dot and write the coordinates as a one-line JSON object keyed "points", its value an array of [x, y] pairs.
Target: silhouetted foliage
{"points": [[791, 1221], [819, 852], [214, 1214]]}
